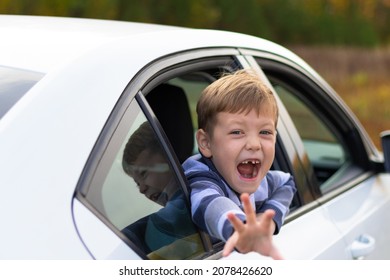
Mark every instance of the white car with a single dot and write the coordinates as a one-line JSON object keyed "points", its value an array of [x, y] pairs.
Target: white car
{"points": [[73, 91]]}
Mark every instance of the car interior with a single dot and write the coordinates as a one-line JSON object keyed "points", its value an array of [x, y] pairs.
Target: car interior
{"points": [[170, 105]]}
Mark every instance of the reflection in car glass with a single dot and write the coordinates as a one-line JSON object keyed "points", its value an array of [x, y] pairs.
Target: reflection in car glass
{"points": [[170, 227]]}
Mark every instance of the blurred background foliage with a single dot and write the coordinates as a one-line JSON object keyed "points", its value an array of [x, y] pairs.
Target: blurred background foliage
{"points": [[341, 22], [346, 41]]}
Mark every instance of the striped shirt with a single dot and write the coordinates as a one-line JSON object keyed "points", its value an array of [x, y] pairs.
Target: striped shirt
{"points": [[212, 198]]}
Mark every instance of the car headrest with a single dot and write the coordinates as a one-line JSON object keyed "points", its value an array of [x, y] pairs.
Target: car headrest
{"points": [[170, 105]]}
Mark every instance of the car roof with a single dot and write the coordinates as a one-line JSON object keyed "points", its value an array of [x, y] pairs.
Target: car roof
{"points": [[40, 42]]}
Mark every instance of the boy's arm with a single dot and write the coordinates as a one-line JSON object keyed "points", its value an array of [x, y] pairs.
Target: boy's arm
{"points": [[281, 192], [210, 200], [210, 206]]}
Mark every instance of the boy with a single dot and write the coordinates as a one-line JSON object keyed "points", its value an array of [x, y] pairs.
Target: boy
{"points": [[230, 179]]}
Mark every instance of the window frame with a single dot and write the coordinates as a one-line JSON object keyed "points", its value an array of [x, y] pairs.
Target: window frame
{"points": [[338, 114], [321, 117]]}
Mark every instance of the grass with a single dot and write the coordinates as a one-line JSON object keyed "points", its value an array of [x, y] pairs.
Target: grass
{"points": [[361, 77]]}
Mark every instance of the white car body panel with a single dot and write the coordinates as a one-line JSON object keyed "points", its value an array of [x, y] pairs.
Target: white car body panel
{"points": [[105, 245], [337, 225], [364, 211], [295, 242]]}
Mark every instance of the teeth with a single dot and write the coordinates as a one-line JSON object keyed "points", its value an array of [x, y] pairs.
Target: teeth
{"points": [[251, 162]]}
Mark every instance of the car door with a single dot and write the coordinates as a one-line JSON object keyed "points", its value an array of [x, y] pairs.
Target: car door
{"points": [[132, 200], [350, 192]]}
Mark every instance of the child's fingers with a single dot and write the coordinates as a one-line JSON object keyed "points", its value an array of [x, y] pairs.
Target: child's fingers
{"points": [[237, 224], [269, 214], [275, 254], [248, 209], [228, 248], [267, 218]]}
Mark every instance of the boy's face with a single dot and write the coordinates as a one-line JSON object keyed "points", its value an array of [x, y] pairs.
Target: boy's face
{"points": [[242, 147]]}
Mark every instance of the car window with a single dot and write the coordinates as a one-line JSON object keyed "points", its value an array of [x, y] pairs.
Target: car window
{"points": [[142, 194], [325, 152], [326, 133], [137, 192]]}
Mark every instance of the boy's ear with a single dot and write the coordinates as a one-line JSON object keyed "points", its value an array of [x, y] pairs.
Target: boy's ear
{"points": [[203, 140]]}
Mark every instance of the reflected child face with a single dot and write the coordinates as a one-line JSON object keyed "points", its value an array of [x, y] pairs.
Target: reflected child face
{"points": [[153, 176]]}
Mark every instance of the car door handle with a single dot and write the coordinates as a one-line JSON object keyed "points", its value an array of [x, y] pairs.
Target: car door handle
{"points": [[362, 246]]}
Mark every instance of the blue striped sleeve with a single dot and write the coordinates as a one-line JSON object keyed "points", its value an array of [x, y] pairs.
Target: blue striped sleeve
{"points": [[281, 189], [210, 207]]}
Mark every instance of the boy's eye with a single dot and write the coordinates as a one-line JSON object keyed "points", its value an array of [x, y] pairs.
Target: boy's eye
{"points": [[235, 132], [143, 174], [266, 132]]}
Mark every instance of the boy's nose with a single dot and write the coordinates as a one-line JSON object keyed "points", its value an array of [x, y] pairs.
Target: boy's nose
{"points": [[253, 143], [142, 187]]}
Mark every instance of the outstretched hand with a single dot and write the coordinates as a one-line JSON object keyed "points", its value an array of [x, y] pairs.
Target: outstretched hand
{"points": [[253, 236]]}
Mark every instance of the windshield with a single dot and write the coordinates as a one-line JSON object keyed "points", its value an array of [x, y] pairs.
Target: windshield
{"points": [[14, 83]]}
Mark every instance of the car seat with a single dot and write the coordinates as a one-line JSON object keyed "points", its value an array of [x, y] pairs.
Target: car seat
{"points": [[170, 105]]}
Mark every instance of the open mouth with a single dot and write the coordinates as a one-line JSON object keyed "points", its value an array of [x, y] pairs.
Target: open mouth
{"points": [[159, 197], [249, 168], [155, 196]]}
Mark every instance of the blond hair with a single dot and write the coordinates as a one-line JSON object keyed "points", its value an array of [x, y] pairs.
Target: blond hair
{"points": [[238, 92]]}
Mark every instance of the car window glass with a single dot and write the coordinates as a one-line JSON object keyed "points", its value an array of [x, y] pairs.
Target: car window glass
{"points": [[137, 192], [324, 150]]}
